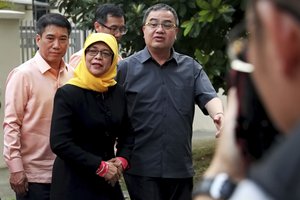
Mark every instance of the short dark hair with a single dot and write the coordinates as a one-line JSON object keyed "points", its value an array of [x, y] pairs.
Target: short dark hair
{"points": [[52, 19], [290, 6], [107, 9], [161, 6]]}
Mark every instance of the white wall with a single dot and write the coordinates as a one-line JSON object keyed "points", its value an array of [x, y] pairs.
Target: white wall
{"points": [[9, 58]]}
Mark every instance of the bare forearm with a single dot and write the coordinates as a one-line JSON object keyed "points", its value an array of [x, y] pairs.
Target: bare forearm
{"points": [[214, 106]]}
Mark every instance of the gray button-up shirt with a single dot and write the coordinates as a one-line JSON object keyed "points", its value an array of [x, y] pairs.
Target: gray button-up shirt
{"points": [[161, 103]]}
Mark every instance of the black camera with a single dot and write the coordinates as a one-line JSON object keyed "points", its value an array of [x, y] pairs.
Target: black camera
{"points": [[254, 131]]}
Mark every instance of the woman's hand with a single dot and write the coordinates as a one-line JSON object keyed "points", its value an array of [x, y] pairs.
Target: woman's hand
{"points": [[113, 175], [118, 164]]}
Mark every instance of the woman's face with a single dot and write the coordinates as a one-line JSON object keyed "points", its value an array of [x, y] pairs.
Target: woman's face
{"points": [[98, 58]]}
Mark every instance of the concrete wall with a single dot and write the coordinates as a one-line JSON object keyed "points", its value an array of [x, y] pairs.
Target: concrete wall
{"points": [[9, 57]]}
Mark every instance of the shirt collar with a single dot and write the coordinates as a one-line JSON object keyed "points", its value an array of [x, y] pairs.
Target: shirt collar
{"points": [[44, 66], [145, 55]]}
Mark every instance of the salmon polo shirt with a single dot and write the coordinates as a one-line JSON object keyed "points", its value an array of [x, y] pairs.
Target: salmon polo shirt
{"points": [[30, 90]]}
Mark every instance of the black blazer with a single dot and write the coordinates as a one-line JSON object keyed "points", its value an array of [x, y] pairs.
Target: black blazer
{"points": [[85, 127]]}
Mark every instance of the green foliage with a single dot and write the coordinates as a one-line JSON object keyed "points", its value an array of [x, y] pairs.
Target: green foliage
{"points": [[208, 29], [203, 32], [6, 4]]}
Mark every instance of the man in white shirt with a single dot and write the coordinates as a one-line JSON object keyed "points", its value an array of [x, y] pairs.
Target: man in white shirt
{"points": [[110, 19]]}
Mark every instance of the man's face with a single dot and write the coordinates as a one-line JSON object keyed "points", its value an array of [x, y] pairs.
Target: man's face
{"points": [[158, 36], [261, 55], [112, 26], [53, 44], [274, 52]]}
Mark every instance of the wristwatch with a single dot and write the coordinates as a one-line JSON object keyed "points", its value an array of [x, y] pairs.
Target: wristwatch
{"points": [[219, 187]]}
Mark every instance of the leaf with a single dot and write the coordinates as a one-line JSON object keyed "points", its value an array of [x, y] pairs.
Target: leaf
{"points": [[195, 31], [215, 3], [226, 9], [201, 57], [203, 4], [185, 23], [210, 17], [204, 12], [202, 18], [188, 26]]}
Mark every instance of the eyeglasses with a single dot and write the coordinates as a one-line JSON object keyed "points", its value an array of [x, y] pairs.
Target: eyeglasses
{"points": [[115, 29], [104, 54], [165, 25]]}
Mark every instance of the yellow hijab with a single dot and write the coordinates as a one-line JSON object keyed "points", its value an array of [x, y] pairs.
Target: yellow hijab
{"points": [[84, 79]]}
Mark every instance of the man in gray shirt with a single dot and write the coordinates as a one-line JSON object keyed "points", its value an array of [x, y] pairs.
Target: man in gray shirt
{"points": [[162, 88]]}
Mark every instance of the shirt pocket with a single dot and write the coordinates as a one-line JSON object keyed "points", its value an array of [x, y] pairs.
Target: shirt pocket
{"points": [[182, 98]]}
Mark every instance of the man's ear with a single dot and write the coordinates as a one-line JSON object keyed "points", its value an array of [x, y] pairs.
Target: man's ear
{"points": [[37, 39], [290, 40], [97, 26], [284, 34]]}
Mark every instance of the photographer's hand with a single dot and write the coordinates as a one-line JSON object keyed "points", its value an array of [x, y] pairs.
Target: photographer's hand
{"points": [[228, 157]]}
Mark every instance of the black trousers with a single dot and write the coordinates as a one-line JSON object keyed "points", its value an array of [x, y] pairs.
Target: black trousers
{"points": [[155, 188], [36, 191]]}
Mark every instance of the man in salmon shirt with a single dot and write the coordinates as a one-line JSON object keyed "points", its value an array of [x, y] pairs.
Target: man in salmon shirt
{"points": [[30, 90]]}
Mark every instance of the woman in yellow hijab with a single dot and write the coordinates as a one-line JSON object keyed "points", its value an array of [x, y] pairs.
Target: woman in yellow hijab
{"points": [[89, 116]]}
